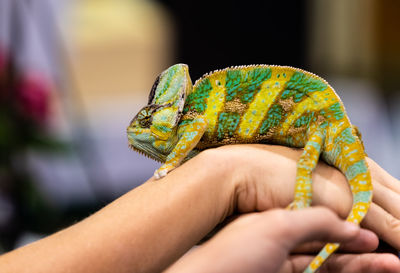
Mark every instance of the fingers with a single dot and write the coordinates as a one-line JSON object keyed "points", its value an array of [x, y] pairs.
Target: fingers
{"points": [[385, 225], [315, 224], [384, 213], [366, 241], [383, 217], [355, 263], [387, 198], [383, 177], [330, 188]]}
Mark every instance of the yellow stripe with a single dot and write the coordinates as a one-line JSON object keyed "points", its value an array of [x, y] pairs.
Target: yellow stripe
{"points": [[260, 105], [215, 101], [315, 102]]}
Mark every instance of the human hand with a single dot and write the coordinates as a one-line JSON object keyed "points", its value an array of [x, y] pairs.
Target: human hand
{"points": [[263, 177], [153, 225], [261, 242]]}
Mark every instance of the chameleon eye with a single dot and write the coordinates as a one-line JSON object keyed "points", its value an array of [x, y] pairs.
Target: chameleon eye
{"points": [[145, 122], [217, 82], [141, 115]]}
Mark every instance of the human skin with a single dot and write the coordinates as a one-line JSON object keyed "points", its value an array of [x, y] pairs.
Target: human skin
{"points": [[153, 225], [261, 242]]}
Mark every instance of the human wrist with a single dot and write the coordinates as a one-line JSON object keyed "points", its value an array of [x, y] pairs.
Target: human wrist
{"points": [[219, 177]]}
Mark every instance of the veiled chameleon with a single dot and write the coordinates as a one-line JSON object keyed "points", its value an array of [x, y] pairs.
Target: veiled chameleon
{"points": [[254, 104]]}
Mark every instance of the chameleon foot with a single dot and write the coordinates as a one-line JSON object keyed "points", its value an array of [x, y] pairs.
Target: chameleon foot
{"points": [[158, 174], [162, 171]]}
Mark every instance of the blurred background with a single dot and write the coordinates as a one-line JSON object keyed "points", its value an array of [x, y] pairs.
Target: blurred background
{"points": [[74, 73]]}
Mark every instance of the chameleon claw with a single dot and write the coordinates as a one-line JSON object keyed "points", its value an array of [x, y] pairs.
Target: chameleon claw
{"points": [[296, 205], [158, 174]]}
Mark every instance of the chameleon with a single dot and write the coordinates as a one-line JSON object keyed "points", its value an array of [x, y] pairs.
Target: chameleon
{"points": [[270, 104]]}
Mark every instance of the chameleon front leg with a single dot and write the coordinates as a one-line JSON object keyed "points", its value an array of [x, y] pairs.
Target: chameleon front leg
{"points": [[306, 164], [189, 135]]}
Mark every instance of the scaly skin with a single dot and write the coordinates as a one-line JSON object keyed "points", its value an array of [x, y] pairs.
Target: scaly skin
{"points": [[254, 104]]}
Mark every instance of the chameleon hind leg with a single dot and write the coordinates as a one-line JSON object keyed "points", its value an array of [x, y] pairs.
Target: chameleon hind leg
{"points": [[306, 164], [351, 161]]}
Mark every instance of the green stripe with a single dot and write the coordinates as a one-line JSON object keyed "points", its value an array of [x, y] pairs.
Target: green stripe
{"points": [[304, 120], [245, 84], [300, 85], [197, 100], [356, 169], [227, 124], [345, 136], [272, 118], [362, 196]]}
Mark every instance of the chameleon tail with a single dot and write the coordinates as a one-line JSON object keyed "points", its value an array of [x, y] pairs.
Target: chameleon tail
{"points": [[352, 163]]}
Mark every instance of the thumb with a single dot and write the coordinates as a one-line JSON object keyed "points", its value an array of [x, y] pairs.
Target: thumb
{"points": [[316, 224]]}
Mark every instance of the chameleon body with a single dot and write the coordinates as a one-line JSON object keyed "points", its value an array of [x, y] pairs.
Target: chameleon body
{"points": [[254, 104]]}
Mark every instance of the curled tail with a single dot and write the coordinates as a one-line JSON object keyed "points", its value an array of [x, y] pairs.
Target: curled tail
{"points": [[348, 155]]}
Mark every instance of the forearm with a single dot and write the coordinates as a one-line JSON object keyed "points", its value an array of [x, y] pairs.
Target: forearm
{"points": [[143, 231]]}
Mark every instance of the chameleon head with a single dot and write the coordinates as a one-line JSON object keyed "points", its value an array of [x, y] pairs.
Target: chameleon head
{"points": [[153, 130]]}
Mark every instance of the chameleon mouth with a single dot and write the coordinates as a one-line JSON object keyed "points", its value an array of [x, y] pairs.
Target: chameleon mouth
{"points": [[143, 153]]}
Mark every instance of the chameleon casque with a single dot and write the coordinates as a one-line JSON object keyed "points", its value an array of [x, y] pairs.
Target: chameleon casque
{"points": [[254, 104]]}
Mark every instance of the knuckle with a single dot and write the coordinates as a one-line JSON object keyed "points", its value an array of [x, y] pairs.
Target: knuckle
{"points": [[280, 218], [392, 224]]}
